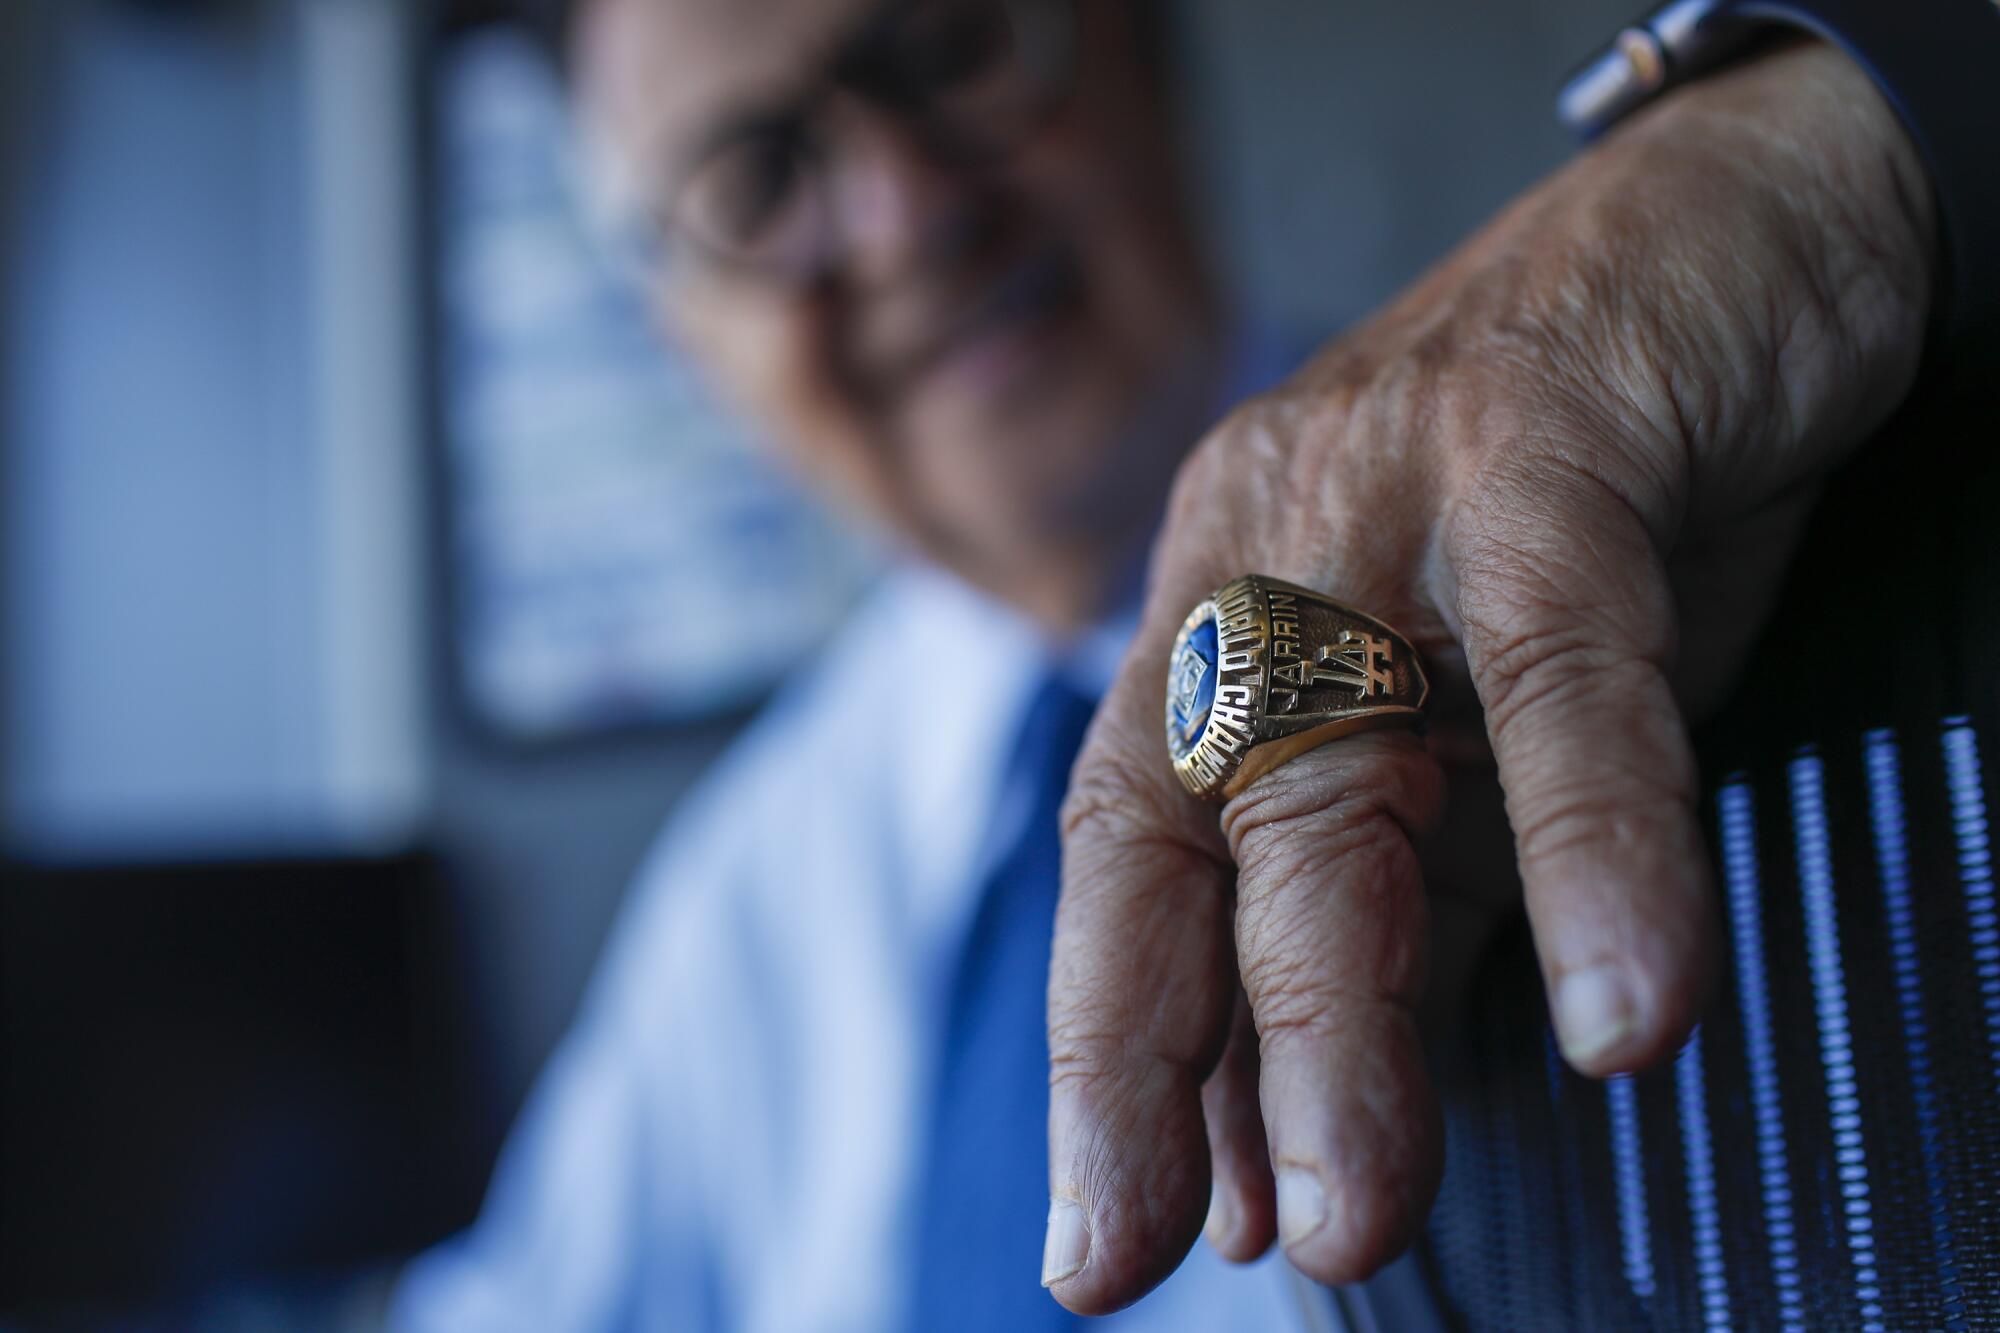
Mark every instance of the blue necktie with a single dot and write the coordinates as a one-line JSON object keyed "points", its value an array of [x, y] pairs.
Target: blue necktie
{"points": [[984, 1192]]}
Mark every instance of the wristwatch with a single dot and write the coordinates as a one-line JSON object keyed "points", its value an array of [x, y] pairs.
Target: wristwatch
{"points": [[1936, 62]]}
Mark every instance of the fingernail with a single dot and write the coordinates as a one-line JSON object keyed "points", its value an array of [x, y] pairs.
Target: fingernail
{"points": [[1221, 1224], [1595, 1013], [1067, 1247], [1301, 1205]]}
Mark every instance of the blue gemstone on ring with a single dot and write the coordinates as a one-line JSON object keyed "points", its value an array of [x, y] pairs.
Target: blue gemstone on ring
{"points": [[1193, 682]]}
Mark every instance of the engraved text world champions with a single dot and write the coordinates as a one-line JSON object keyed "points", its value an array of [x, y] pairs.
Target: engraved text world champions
{"points": [[1283, 663]]}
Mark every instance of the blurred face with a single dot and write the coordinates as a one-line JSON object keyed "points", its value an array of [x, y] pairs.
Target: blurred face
{"points": [[938, 248]]}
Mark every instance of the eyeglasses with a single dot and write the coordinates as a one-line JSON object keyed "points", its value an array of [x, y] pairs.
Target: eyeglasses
{"points": [[974, 78]]}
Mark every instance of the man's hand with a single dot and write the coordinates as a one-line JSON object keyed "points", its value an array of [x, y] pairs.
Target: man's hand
{"points": [[1570, 465]]}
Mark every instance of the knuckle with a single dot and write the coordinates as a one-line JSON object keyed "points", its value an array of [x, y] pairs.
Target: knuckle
{"points": [[1529, 669], [1300, 469], [1562, 823], [1244, 461], [1533, 687], [1110, 812], [1299, 1008], [1110, 797], [1093, 1058], [1547, 611], [1294, 997], [1571, 439], [1379, 785], [1624, 807], [1082, 1050], [1291, 951], [1098, 807], [1289, 833]]}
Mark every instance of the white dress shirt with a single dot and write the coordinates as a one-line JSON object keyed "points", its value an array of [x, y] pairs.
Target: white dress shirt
{"points": [[729, 1136]]}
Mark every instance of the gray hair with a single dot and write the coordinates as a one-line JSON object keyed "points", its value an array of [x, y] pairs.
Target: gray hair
{"points": [[1155, 21]]}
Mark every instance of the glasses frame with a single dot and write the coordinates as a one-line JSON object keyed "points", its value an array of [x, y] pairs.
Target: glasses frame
{"points": [[864, 64]]}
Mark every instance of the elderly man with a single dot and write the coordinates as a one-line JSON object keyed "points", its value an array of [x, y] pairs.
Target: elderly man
{"points": [[940, 250], [937, 247]]}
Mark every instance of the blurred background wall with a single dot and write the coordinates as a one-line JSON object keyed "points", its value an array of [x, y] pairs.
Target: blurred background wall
{"points": [[257, 548]]}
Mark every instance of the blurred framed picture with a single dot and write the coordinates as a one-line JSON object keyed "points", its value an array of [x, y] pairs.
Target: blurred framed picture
{"points": [[619, 552]]}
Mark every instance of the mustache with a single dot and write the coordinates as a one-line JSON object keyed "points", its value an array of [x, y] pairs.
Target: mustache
{"points": [[1036, 283]]}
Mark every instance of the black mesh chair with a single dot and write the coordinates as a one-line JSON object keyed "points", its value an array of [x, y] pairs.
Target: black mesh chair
{"points": [[1826, 1153]]}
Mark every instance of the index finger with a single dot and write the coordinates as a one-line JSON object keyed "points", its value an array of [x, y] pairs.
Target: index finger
{"points": [[1141, 989]]}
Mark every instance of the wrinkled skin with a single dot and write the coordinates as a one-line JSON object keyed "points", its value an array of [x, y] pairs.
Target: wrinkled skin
{"points": [[1570, 465]]}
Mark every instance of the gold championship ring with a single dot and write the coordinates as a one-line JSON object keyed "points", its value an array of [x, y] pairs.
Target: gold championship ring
{"points": [[1264, 671]]}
